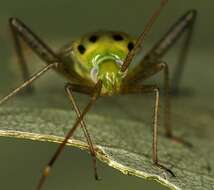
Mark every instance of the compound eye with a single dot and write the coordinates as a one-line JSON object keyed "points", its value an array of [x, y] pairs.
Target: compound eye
{"points": [[130, 46], [117, 37], [93, 38], [81, 49]]}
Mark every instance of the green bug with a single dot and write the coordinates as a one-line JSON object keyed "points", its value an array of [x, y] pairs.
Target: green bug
{"points": [[97, 65], [99, 56]]}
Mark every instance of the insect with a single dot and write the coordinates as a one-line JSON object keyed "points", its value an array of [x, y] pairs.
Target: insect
{"points": [[97, 64]]}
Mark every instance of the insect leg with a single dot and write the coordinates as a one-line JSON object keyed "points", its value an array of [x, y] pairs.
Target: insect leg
{"points": [[20, 31], [46, 171], [149, 70], [20, 57], [179, 69], [163, 66], [69, 90], [150, 89], [167, 100], [185, 23], [28, 82]]}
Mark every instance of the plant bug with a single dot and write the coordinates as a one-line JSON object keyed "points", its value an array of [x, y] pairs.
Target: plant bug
{"points": [[97, 65]]}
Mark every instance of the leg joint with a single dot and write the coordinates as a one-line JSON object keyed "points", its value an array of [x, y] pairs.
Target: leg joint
{"points": [[156, 90], [15, 23], [164, 65], [68, 87], [12, 21]]}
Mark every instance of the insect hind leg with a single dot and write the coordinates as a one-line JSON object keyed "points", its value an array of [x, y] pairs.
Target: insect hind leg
{"points": [[185, 23], [21, 32]]}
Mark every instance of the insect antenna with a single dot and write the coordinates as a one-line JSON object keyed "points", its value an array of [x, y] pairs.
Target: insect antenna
{"points": [[141, 38]]}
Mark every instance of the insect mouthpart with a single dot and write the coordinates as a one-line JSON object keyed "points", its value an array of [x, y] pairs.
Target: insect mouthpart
{"points": [[109, 71], [101, 58]]}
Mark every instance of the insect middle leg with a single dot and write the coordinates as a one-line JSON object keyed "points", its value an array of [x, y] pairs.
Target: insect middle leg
{"points": [[151, 68], [155, 90], [46, 171], [86, 90]]}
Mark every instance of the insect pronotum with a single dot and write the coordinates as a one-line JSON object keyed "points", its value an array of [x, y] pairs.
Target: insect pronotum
{"points": [[97, 65]]}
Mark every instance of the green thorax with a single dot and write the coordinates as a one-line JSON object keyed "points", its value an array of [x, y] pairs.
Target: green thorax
{"points": [[98, 56]]}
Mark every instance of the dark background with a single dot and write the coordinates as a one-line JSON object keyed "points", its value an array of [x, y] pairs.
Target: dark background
{"points": [[58, 22]]}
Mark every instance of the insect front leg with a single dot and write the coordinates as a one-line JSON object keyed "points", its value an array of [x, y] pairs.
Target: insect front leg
{"points": [[86, 90], [46, 171], [21, 32], [155, 90], [28, 82]]}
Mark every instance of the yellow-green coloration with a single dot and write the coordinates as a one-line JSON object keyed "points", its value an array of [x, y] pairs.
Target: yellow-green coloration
{"points": [[97, 56], [110, 74]]}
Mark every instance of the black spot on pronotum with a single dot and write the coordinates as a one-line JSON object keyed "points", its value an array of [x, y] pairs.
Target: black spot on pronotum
{"points": [[93, 38], [81, 49], [130, 46], [117, 37]]}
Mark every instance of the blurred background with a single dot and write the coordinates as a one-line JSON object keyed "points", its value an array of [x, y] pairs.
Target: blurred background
{"points": [[58, 22]]}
